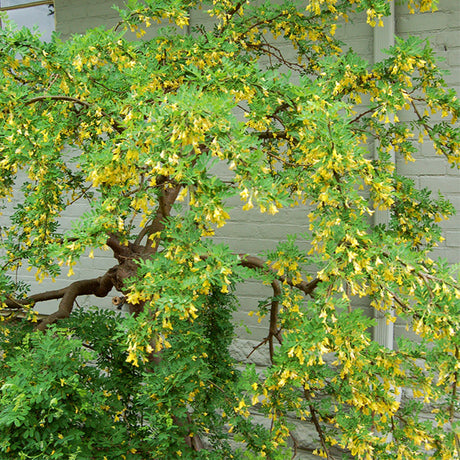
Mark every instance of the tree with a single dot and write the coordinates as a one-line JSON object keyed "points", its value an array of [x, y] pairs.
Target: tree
{"points": [[133, 128]]}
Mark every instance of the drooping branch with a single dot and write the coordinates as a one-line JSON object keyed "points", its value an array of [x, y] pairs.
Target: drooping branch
{"points": [[307, 288], [273, 330], [231, 12], [120, 252], [18, 304], [57, 98], [273, 135], [275, 53], [259, 264]]}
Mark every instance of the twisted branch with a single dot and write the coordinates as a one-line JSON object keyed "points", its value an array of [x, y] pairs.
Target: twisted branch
{"points": [[99, 287], [257, 263]]}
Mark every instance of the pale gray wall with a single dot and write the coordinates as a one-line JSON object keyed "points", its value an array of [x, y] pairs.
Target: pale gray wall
{"points": [[442, 29]]}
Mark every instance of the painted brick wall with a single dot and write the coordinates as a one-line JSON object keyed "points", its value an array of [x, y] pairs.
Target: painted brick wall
{"points": [[249, 231], [74, 17], [431, 171], [442, 28]]}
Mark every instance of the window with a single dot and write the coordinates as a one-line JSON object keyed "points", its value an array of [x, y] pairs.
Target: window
{"points": [[33, 15]]}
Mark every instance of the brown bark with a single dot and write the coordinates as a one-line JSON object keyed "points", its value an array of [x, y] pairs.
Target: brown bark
{"points": [[127, 268], [99, 287], [273, 329], [125, 254], [166, 200], [260, 264]]}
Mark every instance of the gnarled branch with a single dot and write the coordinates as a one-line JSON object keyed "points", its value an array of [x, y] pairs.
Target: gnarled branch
{"points": [[257, 263], [166, 200], [99, 287]]}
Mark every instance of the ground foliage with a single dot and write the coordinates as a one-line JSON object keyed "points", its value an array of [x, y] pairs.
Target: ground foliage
{"points": [[133, 128]]}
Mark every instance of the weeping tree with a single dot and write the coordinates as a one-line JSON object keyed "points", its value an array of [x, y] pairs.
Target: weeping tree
{"points": [[134, 128]]}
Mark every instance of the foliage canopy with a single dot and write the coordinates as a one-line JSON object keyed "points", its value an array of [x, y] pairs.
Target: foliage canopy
{"points": [[134, 128]]}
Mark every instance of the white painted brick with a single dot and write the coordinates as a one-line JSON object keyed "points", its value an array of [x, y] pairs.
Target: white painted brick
{"points": [[422, 22], [426, 167], [356, 28], [247, 245], [453, 172], [448, 38], [241, 348], [449, 5], [450, 254], [453, 239], [449, 224], [453, 56], [443, 184], [453, 78]]}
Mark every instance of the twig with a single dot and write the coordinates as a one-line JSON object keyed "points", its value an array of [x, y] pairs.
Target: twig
{"points": [[264, 341], [318, 428], [454, 392], [273, 329]]}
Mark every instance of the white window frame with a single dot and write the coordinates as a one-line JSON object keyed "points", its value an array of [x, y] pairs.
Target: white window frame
{"points": [[27, 5]]}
